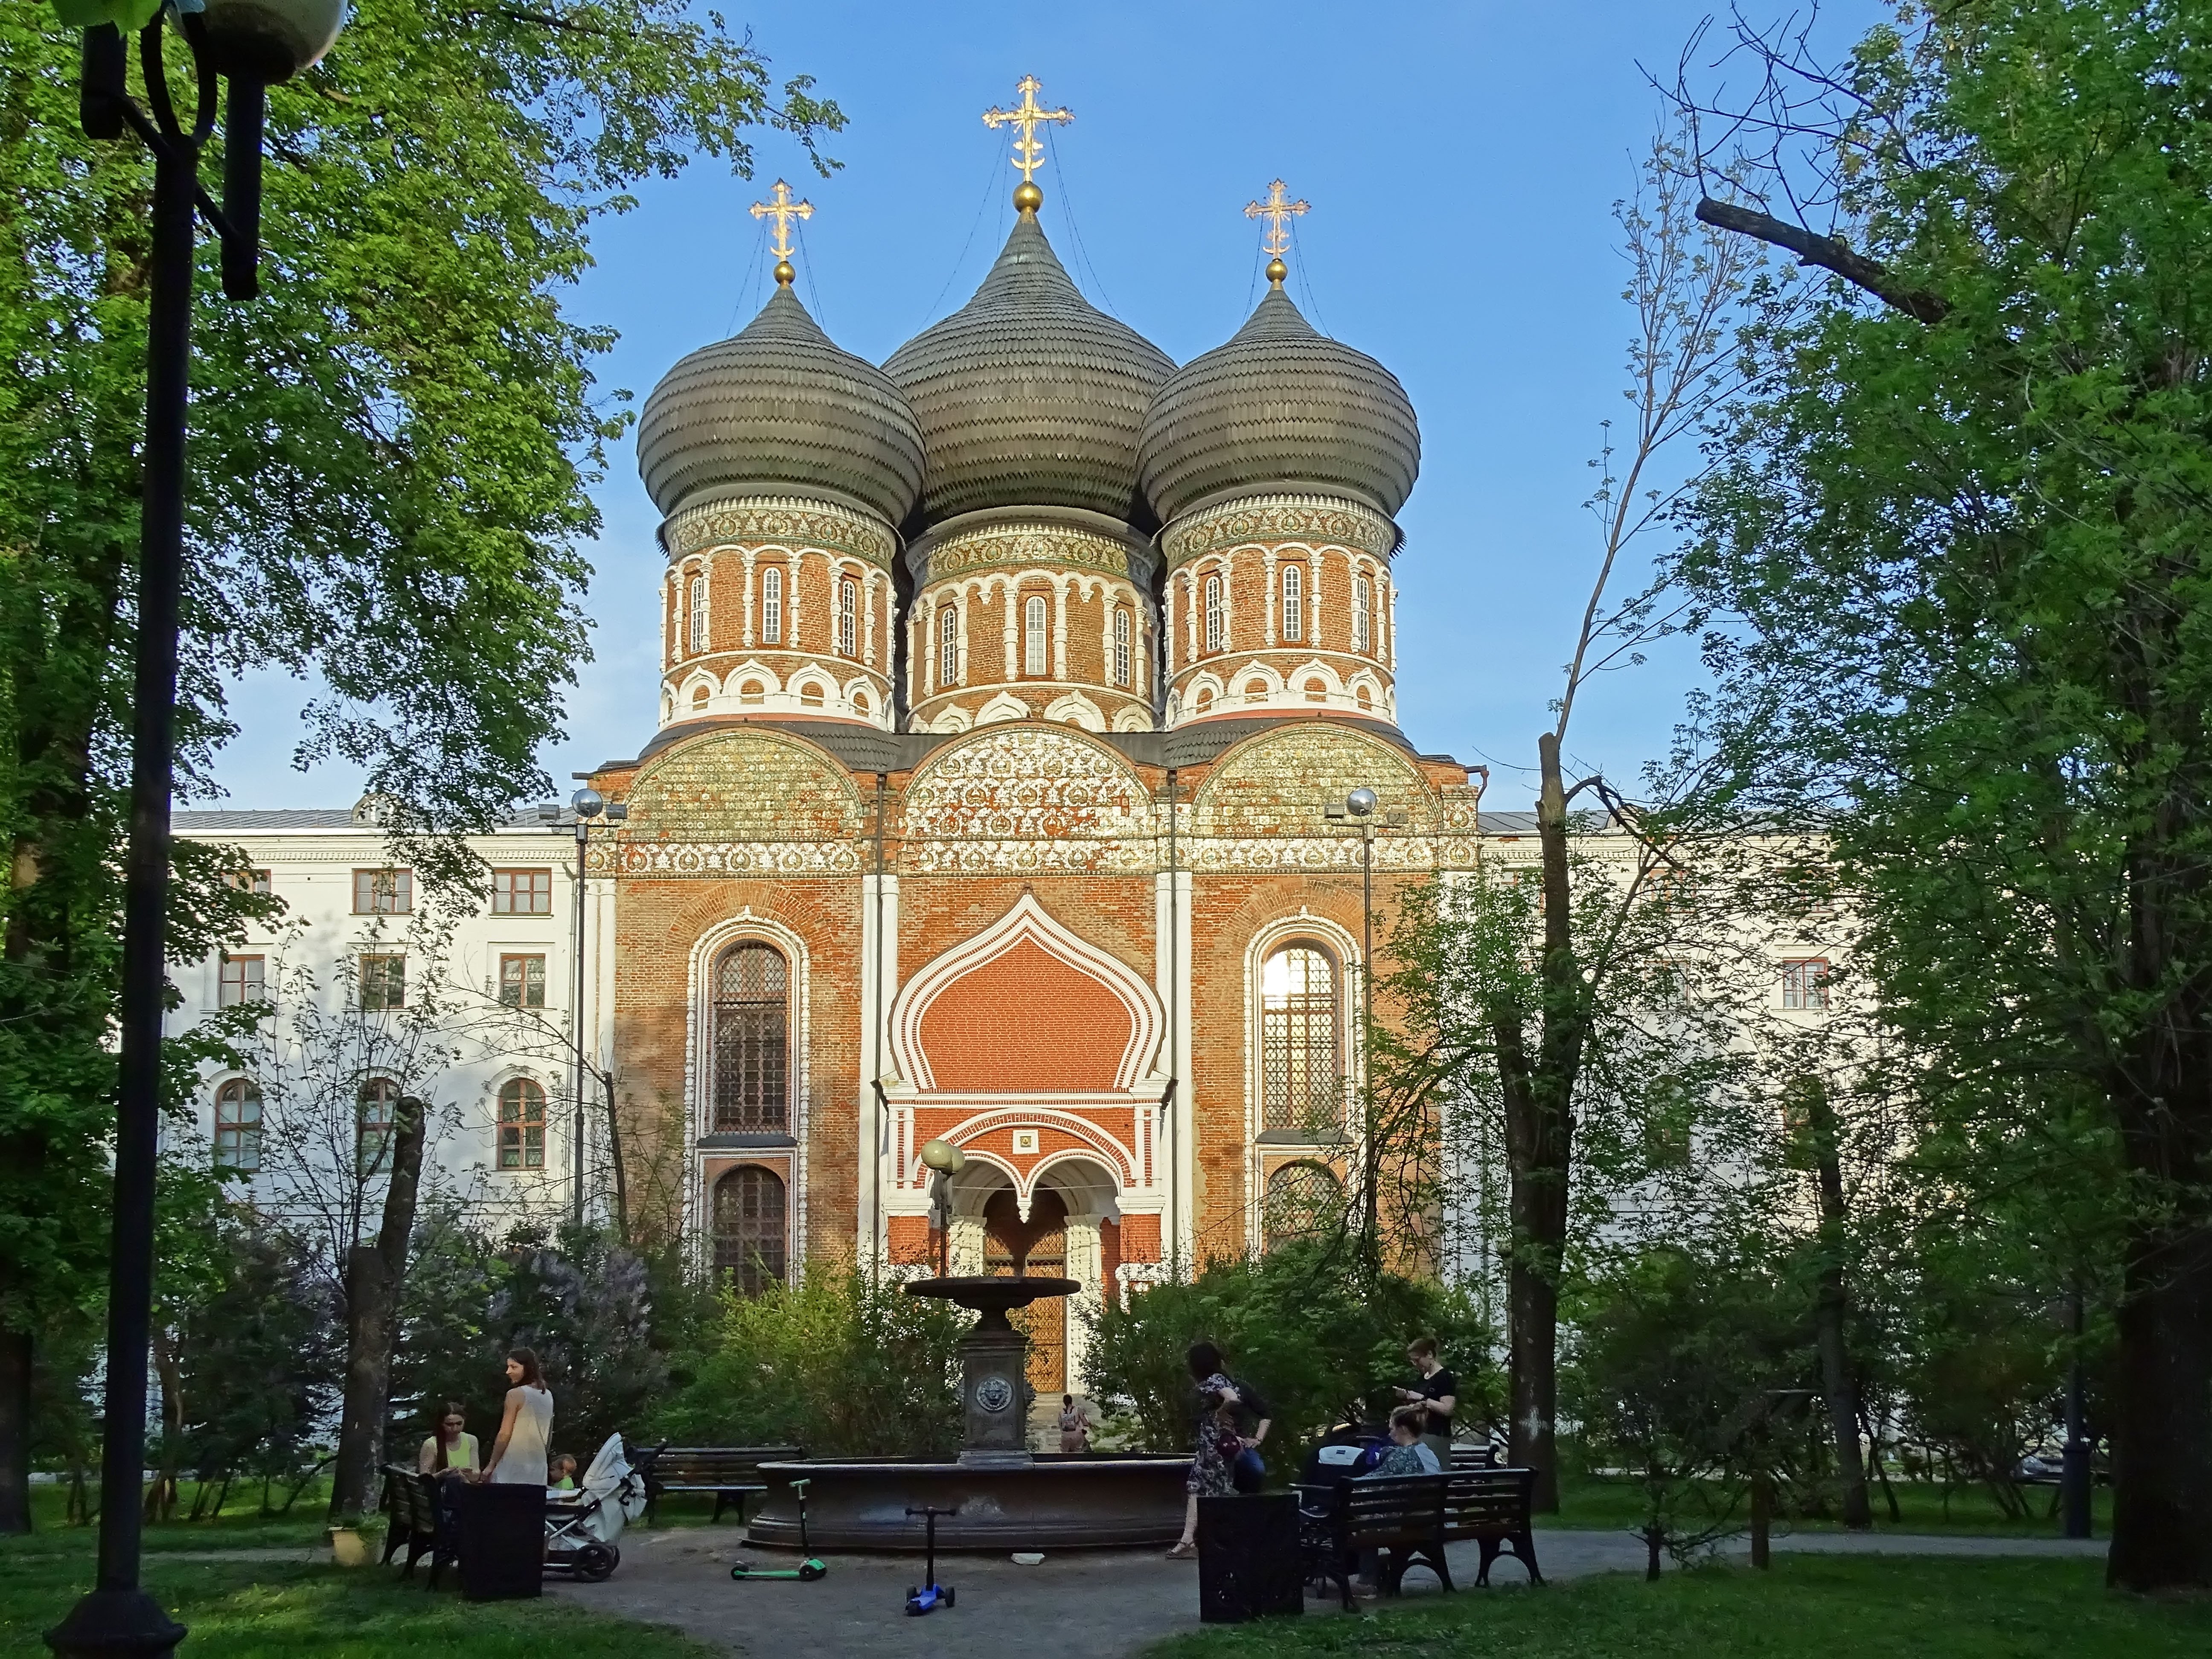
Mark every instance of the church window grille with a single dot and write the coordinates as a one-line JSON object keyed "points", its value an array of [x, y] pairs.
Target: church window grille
{"points": [[698, 614], [948, 647], [237, 1126], [521, 1125], [1302, 1071], [848, 614], [772, 606], [1120, 646], [750, 1228], [1214, 617], [1294, 604], [751, 1042], [1363, 600], [1033, 627], [1303, 1200]]}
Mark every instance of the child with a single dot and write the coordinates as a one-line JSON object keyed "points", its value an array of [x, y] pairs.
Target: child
{"points": [[562, 1477]]}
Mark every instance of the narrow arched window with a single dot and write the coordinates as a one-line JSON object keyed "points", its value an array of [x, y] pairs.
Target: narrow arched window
{"points": [[1303, 1200], [1363, 600], [1121, 653], [237, 1126], [1213, 618], [698, 614], [1302, 1076], [751, 1042], [1294, 602], [948, 647], [521, 1125], [771, 605], [848, 618], [751, 1228], [1033, 625]]}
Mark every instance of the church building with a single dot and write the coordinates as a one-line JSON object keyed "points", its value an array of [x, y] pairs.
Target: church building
{"points": [[1012, 695]]}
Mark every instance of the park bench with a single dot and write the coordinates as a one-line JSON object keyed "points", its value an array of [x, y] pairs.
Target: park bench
{"points": [[1473, 1454], [410, 1500], [731, 1473], [1400, 1516], [1491, 1506]]}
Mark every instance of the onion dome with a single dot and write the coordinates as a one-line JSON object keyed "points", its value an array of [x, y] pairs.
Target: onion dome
{"points": [[1027, 395], [778, 409], [1280, 406]]}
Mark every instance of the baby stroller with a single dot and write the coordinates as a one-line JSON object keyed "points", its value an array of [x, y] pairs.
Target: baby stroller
{"points": [[581, 1525]]}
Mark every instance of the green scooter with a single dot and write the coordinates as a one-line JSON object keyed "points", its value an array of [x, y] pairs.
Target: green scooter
{"points": [[811, 1568]]}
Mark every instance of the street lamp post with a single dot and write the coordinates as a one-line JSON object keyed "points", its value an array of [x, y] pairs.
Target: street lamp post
{"points": [[587, 804], [250, 43]]}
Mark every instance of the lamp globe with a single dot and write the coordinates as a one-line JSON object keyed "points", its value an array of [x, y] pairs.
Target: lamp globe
{"points": [[269, 40]]}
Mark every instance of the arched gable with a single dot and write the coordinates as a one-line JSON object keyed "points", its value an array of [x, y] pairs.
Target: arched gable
{"points": [[750, 783], [1025, 1006], [1245, 795]]}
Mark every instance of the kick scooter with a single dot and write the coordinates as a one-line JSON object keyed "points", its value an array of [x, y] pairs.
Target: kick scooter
{"points": [[811, 1567], [931, 1595]]}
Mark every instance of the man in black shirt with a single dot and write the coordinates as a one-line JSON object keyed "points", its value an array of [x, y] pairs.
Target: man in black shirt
{"points": [[1438, 1391]]}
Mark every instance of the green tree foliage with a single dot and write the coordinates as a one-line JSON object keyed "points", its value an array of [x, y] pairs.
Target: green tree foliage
{"points": [[1303, 1325], [1961, 533], [389, 459], [838, 1363]]}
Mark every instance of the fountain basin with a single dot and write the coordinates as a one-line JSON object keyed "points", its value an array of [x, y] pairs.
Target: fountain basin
{"points": [[1057, 1501]]}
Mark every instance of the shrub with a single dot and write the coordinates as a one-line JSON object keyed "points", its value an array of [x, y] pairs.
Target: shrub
{"points": [[1299, 1326], [838, 1363]]}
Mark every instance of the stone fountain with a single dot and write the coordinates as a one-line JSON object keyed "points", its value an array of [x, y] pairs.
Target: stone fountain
{"points": [[1007, 1497]]}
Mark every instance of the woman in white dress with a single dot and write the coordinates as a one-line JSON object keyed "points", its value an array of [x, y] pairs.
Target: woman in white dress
{"points": [[525, 1427]]}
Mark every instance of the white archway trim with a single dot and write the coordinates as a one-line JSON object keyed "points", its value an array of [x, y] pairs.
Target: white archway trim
{"points": [[1076, 709], [1004, 707], [1341, 944], [1027, 920], [698, 1001]]}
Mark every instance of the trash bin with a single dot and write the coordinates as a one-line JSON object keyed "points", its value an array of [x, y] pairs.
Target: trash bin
{"points": [[502, 1540], [1247, 1558]]}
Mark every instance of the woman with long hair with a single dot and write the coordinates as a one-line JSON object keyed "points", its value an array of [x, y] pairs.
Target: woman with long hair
{"points": [[451, 1450], [525, 1426], [1222, 1403]]}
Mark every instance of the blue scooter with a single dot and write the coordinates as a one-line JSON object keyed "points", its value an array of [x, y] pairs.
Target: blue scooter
{"points": [[810, 1567], [931, 1595]]}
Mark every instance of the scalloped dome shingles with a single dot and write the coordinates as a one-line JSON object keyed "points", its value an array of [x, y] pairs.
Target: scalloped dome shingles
{"points": [[1027, 395], [1279, 404], [778, 408]]}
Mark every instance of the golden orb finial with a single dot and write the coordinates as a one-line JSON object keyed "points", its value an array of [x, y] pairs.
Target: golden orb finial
{"points": [[1028, 197], [784, 270], [1276, 272]]}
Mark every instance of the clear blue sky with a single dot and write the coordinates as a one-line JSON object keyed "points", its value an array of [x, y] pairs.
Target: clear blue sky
{"points": [[1461, 160]]}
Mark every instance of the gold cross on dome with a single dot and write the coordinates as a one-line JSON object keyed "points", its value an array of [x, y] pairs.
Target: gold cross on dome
{"points": [[1277, 212], [1028, 153], [783, 210]]}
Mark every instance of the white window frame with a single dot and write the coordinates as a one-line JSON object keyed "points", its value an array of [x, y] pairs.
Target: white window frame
{"points": [[1121, 663], [1216, 633], [849, 610], [1294, 604], [1036, 625], [697, 621], [772, 604], [1363, 601], [948, 647]]}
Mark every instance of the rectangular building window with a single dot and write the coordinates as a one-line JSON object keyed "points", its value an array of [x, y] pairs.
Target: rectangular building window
{"points": [[237, 1126], [522, 892], [848, 618], [1214, 633], [521, 1125], [1363, 601], [522, 981], [383, 982], [255, 882], [240, 980], [698, 614], [1033, 632], [948, 647], [771, 605], [1120, 646], [1805, 984], [383, 892], [1294, 602]]}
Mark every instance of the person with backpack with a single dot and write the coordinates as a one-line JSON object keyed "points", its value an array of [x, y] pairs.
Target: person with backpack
{"points": [[1224, 1460]]}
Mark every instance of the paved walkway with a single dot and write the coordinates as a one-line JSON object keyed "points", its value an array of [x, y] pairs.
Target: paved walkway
{"points": [[1098, 1605]]}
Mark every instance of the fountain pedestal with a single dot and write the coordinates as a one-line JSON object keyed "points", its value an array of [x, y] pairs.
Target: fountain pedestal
{"points": [[1006, 1498]]}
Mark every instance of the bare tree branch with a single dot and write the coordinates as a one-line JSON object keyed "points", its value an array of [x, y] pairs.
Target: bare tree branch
{"points": [[1829, 254]]}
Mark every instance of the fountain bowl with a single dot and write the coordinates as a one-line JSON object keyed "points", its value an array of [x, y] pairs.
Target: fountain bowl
{"points": [[993, 1298]]}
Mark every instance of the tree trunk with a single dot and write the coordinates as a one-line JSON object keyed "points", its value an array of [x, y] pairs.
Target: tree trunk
{"points": [[1539, 1131], [161, 1495], [1830, 1311], [373, 1274], [15, 1356]]}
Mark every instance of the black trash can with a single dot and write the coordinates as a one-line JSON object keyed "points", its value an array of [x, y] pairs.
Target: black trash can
{"points": [[502, 1540], [1247, 1558]]}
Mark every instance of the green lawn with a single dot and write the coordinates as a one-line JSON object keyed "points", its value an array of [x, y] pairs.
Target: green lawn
{"points": [[1595, 1503], [1919, 1608]]}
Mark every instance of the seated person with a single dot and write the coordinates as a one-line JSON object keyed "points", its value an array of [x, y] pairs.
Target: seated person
{"points": [[451, 1451], [1407, 1454], [560, 1474]]}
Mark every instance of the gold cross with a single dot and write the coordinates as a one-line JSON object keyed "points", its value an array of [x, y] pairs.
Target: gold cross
{"points": [[1277, 212], [1028, 153], [783, 210]]}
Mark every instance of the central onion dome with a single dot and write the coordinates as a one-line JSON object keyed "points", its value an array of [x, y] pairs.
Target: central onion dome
{"points": [[1027, 395], [779, 409], [1280, 406]]}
